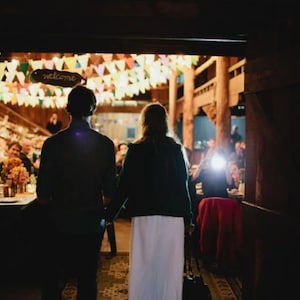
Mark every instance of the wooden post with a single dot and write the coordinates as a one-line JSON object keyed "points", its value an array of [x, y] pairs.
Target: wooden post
{"points": [[188, 116], [223, 121], [172, 100]]}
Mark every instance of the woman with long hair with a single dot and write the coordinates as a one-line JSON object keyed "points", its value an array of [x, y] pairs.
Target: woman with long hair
{"points": [[153, 184]]}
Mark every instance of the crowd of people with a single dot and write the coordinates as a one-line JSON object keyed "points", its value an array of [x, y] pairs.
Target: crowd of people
{"points": [[85, 179]]}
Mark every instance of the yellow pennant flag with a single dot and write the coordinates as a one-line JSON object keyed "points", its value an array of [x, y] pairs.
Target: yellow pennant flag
{"points": [[71, 63]]}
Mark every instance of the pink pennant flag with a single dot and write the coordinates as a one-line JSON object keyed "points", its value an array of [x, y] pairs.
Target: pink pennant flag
{"points": [[164, 60], [100, 69], [49, 64]]}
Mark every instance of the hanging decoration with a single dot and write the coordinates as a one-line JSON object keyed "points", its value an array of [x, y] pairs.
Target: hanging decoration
{"points": [[112, 77], [60, 78]]}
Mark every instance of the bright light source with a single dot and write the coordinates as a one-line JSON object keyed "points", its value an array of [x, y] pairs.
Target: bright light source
{"points": [[218, 162]]}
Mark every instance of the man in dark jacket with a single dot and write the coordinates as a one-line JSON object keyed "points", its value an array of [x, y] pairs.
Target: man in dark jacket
{"points": [[76, 178]]}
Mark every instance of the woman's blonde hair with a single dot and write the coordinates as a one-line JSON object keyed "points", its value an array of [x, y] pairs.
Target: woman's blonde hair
{"points": [[154, 121]]}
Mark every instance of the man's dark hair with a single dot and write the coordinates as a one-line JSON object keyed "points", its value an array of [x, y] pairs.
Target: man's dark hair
{"points": [[81, 101]]}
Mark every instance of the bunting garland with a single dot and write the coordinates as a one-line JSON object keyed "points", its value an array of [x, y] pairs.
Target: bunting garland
{"points": [[112, 77]]}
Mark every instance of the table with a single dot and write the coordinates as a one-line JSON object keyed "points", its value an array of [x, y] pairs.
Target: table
{"points": [[235, 194], [18, 200], [11, 241]]}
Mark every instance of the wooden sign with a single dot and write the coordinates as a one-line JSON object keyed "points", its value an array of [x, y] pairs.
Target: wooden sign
{"points": [[55, 77]]}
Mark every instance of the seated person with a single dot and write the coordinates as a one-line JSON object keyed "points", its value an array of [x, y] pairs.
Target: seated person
{"points": [[234, 172], [214, 175]]}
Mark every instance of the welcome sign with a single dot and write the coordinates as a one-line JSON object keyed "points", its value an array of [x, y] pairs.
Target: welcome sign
{"points": [[55, 77]]}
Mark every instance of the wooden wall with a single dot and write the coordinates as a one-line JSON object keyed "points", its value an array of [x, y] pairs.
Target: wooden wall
{"points": [[271, 211]]}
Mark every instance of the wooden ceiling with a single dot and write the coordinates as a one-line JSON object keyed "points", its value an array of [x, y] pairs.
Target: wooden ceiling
{"points": [[201, 27]]}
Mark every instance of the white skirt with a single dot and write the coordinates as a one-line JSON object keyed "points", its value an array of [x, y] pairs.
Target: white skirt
{"points": [[156, 258]]}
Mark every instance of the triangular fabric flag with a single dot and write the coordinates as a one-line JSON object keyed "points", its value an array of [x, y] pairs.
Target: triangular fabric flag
{"points": [[47, 102], [96, 59], [61, 102], [188, 60], [36, 64], [58, 62], [164, 60], [99, 69], [120, 56], [141, 87], [34, 89], [120, 64], [133, 79], [149, 59], [10, 76], [2, 68], [83, 60], [140, 73], [21, 77], [33, 101], [48, 92], [24, 67], [95, 81], [130, 62], [12, 66], [89, 71], [107, 57], [58, 92], [107, 79], [49, 64], [134, 89], [111, 67], [140, 59], [100, 88], [195, 59], [71, 62]]}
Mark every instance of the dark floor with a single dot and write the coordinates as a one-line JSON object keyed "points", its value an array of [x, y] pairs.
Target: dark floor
{"points": [[20, 283]]}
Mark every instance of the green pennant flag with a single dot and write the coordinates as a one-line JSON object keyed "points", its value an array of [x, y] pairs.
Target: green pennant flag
{"points": [[48, 92], [24, 67]]}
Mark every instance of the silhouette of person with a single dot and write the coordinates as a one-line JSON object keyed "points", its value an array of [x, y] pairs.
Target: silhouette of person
{"points": [[76, 180]]}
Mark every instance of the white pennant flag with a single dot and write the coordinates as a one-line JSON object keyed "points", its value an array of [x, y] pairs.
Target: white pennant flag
{"points": [[83, 60], [36, 64], [21, 77]]}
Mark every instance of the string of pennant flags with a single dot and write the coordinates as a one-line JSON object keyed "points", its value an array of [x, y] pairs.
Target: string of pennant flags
{"points": [[111, 76]]}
